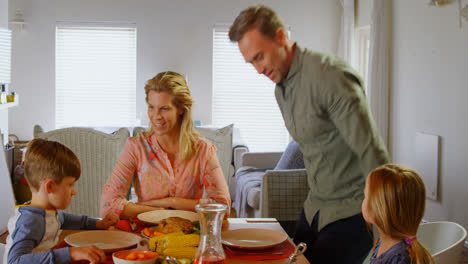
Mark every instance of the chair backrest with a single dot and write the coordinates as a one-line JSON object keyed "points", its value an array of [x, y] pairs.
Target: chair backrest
{"points": [[444, 240], [98, 152], [222, 139], [137, 130]]}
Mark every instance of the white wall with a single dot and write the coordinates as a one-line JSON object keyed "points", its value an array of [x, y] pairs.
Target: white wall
{"points": [[363, 13], [172, 34], [4, 24], [429, 93], [4, 13]]}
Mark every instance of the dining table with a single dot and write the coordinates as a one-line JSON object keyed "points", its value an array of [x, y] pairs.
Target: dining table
{"points": [[239, 223]]}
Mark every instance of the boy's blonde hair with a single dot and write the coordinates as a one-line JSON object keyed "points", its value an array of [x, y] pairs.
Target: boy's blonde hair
{"points": [[47, 159], [175, 84], [396, 203]]}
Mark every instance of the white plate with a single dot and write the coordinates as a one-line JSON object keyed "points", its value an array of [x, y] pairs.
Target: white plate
{"points": [[253, 238], [153, 217], [109, 241]]}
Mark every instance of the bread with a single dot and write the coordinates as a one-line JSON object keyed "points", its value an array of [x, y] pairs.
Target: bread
{"points": [[174, 224]]}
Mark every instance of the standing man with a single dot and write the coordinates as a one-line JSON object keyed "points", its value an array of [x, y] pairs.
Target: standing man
{"points": [[324, 108]]}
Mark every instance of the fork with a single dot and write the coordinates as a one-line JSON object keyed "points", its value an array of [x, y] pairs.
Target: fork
{"points": [[252, 253]]}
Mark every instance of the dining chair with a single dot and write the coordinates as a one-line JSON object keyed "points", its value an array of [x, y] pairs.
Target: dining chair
{"points": [[444, 240], [98, 152]]}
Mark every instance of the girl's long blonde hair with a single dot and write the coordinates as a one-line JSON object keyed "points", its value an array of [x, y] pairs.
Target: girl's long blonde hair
{"points": [[396, 202], [175, 84]]}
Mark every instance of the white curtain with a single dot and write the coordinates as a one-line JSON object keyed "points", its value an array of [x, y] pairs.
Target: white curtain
{"points": [[345, 45], [378, 76]]}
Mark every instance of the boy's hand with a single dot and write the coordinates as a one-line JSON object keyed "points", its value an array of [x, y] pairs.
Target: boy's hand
{"points": [[111, 219], [92, 254]]}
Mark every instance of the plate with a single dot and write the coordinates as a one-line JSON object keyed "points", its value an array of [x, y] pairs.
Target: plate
{"points": [[153, 217], [253, 238], [109, 241]]}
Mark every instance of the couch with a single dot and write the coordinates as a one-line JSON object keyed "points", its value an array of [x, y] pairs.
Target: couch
{"points": [[265, 190]]}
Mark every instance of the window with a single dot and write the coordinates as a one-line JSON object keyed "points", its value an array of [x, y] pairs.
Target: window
{"points": [[95, 75], [243, 97], [362, 51], [5, 55]]}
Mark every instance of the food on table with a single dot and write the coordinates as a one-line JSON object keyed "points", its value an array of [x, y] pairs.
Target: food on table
{"points": [[174, 224], [141, 255], [153, 242], [181, 240], [182, 252], [150, 232], [191, 240]]}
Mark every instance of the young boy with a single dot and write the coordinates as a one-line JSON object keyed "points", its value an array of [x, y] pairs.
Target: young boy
{"points": [[51, 170]]}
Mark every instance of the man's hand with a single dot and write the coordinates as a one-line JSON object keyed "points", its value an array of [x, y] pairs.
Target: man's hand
{"points": [[111, 219], [92, 254]]}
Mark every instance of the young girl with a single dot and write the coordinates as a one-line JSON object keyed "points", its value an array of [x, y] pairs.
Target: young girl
{"points": [[395, 199]]}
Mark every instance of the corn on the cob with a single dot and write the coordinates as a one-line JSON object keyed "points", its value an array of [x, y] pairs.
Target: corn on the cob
{"points": [[154, 241], [181, 252], [191, 240]]}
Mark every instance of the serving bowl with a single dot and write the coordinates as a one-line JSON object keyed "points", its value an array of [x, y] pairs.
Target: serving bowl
{"points": [[119, 257]]}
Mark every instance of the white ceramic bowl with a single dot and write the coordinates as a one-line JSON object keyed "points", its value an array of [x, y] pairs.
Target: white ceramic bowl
{"points": [[119, 257]]}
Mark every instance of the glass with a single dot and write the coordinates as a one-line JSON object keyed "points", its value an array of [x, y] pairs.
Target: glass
{"points": [[210, 249]]}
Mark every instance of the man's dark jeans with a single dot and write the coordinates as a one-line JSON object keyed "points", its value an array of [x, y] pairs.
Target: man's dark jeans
{"points": [[346, 241]]}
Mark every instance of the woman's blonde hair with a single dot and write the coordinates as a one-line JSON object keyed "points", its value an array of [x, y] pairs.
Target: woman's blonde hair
{"points": [[396, 203], [47, 159], [175, 84]]}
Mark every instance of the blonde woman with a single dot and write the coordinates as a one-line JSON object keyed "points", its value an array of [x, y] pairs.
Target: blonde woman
{"points": [[170, 164], [395, 199]]}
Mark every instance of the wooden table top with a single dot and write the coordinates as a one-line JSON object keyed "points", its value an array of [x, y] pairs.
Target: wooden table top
{"points": [[234, 223]]}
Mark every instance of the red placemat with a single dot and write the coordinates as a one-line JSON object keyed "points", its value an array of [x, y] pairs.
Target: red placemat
{"points": [[64, 244], [286, 248]]}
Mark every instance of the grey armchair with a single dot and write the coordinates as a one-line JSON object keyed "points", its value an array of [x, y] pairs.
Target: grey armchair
{"points": [[281, 194], [98, 152]]}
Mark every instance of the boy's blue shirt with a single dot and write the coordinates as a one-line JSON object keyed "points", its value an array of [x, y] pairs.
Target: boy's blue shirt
{"points": [[34, 232]]}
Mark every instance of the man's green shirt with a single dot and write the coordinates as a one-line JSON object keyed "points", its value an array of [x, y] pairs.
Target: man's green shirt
{"points": [[324, 107]]}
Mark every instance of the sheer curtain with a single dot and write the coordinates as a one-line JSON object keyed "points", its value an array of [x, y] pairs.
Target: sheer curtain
{"points": [[378, 76], [345, 45]]}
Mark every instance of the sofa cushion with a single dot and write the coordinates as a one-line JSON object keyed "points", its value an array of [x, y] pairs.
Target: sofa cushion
{"points": [[253, 197], [291, 158], [222, 139]]}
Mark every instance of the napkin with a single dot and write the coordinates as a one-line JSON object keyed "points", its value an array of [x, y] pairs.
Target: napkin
{"points": [[287, 248]]}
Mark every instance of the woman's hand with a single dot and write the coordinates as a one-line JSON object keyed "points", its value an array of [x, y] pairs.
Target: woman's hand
{"points": [[111, 219], [92, 254]]}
